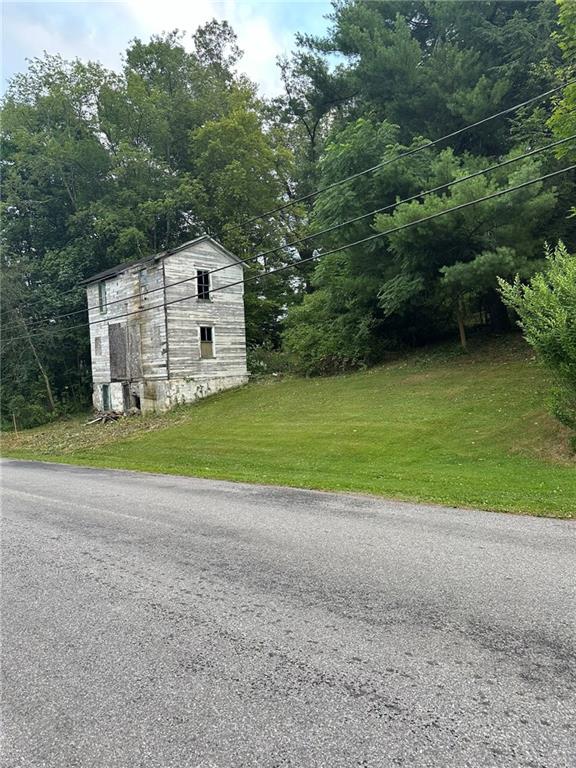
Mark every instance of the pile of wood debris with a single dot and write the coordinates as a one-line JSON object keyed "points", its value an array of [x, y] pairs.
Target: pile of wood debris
{"points": [[103, 417]]}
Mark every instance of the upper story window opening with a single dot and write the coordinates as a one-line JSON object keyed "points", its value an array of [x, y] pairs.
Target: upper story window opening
{"points": [[142, 283], [102, 304], [203, 283]]}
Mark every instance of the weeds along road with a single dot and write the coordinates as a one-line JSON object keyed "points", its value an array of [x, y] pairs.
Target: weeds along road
{"points": [[171, 622]]}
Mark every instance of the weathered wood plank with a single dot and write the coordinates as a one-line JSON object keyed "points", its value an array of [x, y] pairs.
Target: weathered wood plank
{"points": [[162, 339]]}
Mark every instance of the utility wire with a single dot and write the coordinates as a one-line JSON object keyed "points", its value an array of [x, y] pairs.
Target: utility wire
{"points": [[389, 161], [315, 256], [325, 231]]}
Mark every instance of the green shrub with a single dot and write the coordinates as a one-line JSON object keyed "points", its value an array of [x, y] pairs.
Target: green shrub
{"points": [[265, 359], [327, 340], [546, 307], [26, 412]]}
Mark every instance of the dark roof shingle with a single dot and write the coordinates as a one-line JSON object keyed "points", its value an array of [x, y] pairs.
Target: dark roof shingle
{"points": [[113, 271]]}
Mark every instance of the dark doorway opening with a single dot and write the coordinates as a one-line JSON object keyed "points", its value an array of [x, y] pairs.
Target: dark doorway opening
{"points": [[105, 397], [134, 398], [126, 399]]}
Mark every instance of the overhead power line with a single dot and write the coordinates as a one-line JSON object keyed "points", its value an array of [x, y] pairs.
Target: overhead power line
{"points": [[389, 161], [315, 256], [321, 232], [403, 155]]}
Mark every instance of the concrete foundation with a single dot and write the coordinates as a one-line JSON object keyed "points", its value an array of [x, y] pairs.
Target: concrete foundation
{"points": [[161, 395]]}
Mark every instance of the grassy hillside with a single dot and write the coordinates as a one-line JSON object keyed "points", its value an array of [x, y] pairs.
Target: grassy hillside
{"points": [[469, 430]]}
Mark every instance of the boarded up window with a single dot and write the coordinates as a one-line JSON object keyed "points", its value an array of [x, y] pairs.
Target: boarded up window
{"points": [[206, 342], [97, 345], [125, 352], [134, 353], [203, 281], [117, 340]]}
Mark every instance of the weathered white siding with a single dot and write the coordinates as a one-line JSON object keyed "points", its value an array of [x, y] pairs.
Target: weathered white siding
{"points": [[224, 312], [156, 350], [152, 326], [145, 326]]}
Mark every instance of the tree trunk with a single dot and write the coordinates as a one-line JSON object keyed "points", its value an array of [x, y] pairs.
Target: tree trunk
{"points": [[499, 319], [51, 401], [461, 326]]}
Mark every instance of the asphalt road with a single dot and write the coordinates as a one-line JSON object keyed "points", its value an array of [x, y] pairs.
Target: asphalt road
{"points": [[173, 622]]}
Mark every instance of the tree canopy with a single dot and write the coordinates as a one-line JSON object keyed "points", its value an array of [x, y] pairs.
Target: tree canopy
{"points": [[409, 73], [101, 167]]}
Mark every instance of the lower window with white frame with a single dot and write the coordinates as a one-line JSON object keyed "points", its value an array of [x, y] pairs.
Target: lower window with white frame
{"points": [[206, 342]]}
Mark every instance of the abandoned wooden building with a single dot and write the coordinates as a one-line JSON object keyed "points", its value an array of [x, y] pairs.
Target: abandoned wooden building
{"points": [[166, 329]]}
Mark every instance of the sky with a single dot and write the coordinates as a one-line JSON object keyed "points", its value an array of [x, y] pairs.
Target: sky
{"points": [[102, 30]]}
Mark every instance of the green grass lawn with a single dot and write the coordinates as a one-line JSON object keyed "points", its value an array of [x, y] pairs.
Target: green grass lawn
{"points": [[464, 430]]}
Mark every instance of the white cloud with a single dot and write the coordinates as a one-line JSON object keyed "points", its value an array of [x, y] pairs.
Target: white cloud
{"points": [[26, 36], [34, 37], [163, 16], [256, 37], [261, 46], [102, 30]]}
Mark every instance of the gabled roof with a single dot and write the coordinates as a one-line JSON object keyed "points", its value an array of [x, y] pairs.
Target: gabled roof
{"points": [[119, 268]]}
